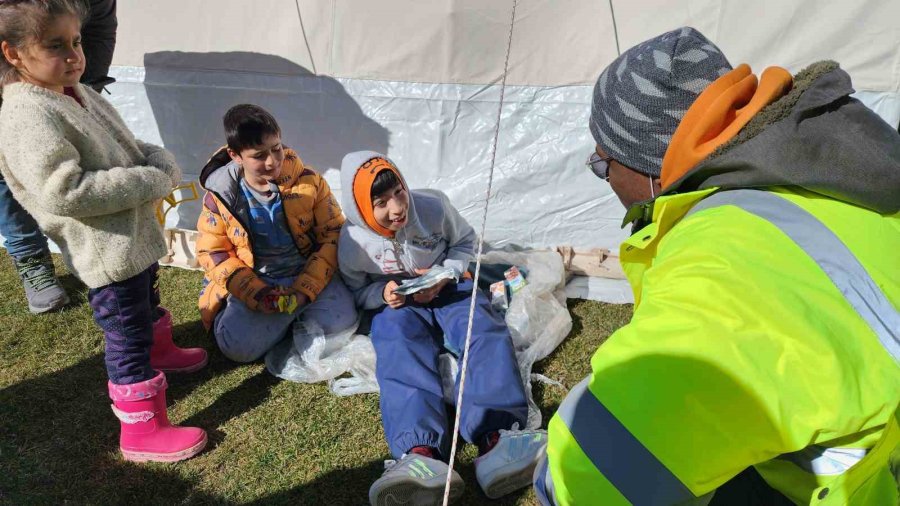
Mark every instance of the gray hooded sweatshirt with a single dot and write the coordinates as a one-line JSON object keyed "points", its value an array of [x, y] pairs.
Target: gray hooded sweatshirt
{"points": [[435, 234]]}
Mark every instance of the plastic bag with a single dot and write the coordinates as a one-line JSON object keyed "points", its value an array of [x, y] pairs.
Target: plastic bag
{"points": [[310, 356], [537, 317], [362, 369]]}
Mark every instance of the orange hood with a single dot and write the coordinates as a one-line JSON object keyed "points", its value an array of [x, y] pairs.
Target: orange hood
{"points": [[718, 114]]}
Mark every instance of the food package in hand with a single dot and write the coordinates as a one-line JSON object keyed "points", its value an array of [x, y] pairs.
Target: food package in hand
{"points": [[427, 280], [281, 303]]}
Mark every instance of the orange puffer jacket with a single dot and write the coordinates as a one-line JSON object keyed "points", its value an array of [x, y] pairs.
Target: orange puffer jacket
{"points": [[224, 248]]}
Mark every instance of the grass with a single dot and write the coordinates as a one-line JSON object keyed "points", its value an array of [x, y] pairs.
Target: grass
{"points": [[270, 441]]}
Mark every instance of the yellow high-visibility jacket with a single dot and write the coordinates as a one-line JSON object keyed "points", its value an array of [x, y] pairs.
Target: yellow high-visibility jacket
{"points": [[766, 329]]}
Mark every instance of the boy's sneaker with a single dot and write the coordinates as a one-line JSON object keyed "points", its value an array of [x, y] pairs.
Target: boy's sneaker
{"points": [[42, 289], [415, 480], [510, 464]]}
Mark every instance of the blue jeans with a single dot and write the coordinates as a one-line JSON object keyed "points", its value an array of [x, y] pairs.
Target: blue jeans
{"points": [[407, 343], [22, 237]]}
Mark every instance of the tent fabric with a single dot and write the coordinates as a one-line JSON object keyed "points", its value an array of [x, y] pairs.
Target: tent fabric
{"points": [[556, 43], [420, 82]]}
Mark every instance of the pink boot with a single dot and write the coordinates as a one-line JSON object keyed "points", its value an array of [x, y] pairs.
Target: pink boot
{"points": [[166, 357], [146, 433]]}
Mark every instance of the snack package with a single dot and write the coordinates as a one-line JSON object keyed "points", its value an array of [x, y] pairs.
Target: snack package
{"points": [[281, 303], [514, 279], [499, 300], [427, 280]]}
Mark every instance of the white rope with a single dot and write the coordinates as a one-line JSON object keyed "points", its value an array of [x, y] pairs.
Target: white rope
{"points": [[465, 357]]}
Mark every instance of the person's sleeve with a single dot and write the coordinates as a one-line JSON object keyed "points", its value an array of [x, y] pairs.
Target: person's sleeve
{"points": [[367, 293], [323, 262], [42, 159], [460, 238], [162, 159], [217, 255], [98, 38]]}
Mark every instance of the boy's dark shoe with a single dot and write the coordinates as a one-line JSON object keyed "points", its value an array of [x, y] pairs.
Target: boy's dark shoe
{"points": [[42, 289]]}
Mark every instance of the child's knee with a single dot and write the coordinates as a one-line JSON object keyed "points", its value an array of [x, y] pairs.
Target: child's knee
{"points": [[243, 356], [237, 350], [340, 317], [339, 321]]}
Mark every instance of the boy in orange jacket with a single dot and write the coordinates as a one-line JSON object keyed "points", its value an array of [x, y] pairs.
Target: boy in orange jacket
{"points": [[268, 241]]}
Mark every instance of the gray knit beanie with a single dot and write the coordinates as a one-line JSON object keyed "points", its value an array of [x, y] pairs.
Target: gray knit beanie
{"points": [[641, 96]]}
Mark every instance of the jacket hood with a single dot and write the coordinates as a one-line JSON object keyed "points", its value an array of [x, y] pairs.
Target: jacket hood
{"points": [[350, 165], [221, 181], [222, 175], [815, 137]]}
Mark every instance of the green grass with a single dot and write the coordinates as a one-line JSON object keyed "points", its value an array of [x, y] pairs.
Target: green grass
{"points": [[270, 441]]}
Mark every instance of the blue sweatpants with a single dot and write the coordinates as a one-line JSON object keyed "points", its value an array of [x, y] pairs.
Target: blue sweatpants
{"points": [[407, 343]]}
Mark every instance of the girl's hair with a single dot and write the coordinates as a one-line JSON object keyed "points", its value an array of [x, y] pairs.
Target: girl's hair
{"points": [[384, 181], [22, 22]]}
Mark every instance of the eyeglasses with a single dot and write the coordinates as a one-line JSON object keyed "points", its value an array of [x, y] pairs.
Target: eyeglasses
{"points": [[599, 165]]}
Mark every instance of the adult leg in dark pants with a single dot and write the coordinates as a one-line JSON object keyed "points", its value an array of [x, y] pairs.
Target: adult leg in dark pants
{"points": [[27, 245]]}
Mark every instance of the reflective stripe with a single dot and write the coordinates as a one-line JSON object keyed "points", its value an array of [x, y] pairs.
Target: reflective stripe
{"points": [[638, 475], [543, 483], [827, 250]]}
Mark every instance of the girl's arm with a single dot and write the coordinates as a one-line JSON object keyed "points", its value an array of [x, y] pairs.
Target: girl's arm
{"points": [[43, 160], [162, 159]]}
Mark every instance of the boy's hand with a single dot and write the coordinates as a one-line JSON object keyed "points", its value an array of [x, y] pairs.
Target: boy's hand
{"points": [[428, 294], [268, 300], [276, 299], [302, 298], [395, 300]]}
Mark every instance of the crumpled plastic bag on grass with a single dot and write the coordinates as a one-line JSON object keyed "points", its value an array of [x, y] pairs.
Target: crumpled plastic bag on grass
{"points": [[537, 319], [311, 356]]}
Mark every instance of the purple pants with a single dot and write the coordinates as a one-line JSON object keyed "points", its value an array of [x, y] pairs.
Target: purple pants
{"points": [[126, 310]]}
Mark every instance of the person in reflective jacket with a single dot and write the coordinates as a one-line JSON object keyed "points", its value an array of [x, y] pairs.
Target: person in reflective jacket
{"points": [[762, 357]]}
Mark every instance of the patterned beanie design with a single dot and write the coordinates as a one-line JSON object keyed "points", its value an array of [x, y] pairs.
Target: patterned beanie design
{"points": [[642, 95]]}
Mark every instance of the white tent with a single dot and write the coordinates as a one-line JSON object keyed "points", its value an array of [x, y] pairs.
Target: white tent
{"points": [[420, 81]]}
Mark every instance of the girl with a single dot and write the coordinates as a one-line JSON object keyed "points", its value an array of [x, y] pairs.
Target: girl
{"points": [[92, 187]]}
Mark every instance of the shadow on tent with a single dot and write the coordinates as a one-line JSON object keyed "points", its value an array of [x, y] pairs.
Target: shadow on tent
{"points": [[189, 93]]}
